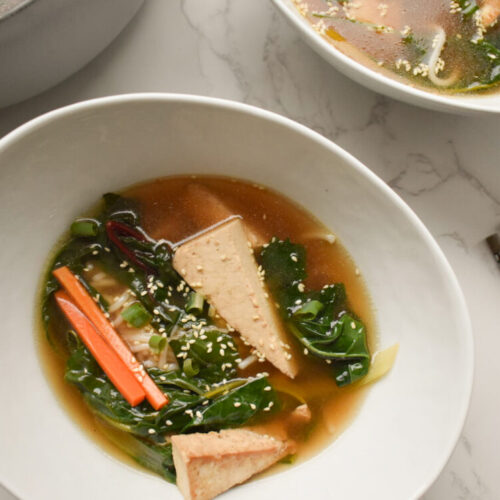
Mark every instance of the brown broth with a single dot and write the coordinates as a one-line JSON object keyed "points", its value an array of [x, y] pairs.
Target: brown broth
{"points": [[172, 210]]}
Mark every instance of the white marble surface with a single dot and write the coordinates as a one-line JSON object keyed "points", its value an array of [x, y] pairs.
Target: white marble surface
{"points": [[446, 167]]}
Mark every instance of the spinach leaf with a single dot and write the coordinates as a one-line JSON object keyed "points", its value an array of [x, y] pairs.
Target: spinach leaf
{"points": [[236, 407], [213, 351], [319, 319]]}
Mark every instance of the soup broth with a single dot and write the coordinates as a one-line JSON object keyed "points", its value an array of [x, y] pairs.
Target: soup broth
{"points": [[168, 211], [437, 44]]}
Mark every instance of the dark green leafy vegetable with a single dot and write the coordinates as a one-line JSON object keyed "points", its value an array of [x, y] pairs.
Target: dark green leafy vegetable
{"points": [[156, 457], [236, 407], [319, 320], [215, 354]]}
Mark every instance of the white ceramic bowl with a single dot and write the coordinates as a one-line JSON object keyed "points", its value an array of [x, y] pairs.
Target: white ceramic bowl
{"points": [[42, 42], [54, 167], [466, 104]]}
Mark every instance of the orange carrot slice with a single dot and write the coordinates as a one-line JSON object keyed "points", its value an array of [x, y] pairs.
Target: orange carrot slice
{"points": [[94, 313], [119, 374]]}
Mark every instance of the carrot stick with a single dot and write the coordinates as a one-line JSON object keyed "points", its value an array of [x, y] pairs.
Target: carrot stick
{"points": [[89, 307], [119, 374]]}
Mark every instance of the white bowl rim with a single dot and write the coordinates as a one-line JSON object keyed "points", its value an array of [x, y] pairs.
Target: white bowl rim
{"points": [[455, 103], [51, 116]]}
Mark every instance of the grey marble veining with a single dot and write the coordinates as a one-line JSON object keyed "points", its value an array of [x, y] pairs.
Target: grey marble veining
{"points": [[446, 167]]}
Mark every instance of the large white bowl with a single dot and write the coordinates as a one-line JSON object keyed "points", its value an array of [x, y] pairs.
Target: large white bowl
{"points": [[54, 167], [465, 104]]}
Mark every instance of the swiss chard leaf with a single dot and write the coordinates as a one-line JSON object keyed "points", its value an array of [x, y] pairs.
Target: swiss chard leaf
{"points": [[236, 407], [213, 351], [326, 329]]}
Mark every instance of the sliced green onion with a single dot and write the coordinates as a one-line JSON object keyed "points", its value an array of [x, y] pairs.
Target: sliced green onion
{"points": [[83, 228], [157, 343], [190, 368], [309, 310], [136, 315], [195, 303]]}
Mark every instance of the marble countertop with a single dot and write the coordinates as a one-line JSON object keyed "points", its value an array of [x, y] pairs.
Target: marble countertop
{"points": [[445, 167]]}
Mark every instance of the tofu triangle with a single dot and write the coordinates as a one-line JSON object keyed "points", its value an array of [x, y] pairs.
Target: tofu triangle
{"points": [[208, 464], [220, 265]]}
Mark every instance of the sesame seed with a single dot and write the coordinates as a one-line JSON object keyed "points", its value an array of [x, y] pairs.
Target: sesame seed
{"points": [[306, 351], [169, 422], [95, 252], [267, 388], [253, 406], [151, 431], [237, 404]]}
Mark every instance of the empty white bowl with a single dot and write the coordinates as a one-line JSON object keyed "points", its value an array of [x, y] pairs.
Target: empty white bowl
{"points": [[54, 167], [464, 104]]}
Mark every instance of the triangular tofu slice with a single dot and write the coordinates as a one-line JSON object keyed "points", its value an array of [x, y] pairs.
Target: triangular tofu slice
{"points": [[209, 464], [219, 264]]}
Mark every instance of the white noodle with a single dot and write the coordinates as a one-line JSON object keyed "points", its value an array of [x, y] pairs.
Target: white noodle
{"points": [[437, 47], [119, 302], [139, 348], [136, 336]]}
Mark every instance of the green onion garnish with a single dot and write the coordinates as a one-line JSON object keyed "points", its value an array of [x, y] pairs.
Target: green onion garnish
{"points": [[195, 303], [136, 315], [190, 368], [83, 228], [157, 343], [309, 310]]}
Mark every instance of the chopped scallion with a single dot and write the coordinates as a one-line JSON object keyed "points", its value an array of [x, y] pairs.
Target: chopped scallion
{"points": [[136, 315], [83, 227], [309, 310], [195, 303], [157, 343], [190, 368]]}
